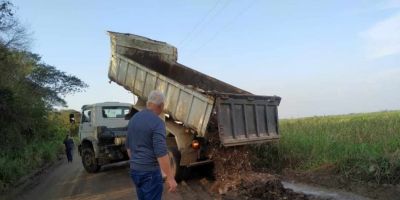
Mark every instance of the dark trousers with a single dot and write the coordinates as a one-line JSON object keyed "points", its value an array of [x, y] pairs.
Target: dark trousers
{"points": [[69, 154], [149, 184]]}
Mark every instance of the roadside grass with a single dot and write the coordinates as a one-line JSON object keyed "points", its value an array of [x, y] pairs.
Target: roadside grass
{"points": [[31, 155], [362, 147]]}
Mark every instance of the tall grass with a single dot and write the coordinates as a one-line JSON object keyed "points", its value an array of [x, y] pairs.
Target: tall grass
{"points": [[360, 146]]}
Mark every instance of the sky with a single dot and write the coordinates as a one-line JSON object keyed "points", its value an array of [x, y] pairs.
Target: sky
{"points": [[321, 57]]}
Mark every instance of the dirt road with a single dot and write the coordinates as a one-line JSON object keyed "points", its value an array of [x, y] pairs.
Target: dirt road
{"points": [[70, 181]]}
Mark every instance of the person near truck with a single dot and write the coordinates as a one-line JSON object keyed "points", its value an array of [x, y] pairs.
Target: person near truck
{"points": [[69, 147], [147, 150]]}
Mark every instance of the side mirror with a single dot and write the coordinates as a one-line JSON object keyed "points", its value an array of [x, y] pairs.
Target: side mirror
{"points": [[72, 118]]}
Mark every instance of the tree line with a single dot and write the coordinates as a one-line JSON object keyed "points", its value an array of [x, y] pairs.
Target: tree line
{"points": [[29, 91]]}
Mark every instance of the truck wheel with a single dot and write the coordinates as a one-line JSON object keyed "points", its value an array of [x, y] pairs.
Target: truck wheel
{"points": [[89, 161], [180, 172]]}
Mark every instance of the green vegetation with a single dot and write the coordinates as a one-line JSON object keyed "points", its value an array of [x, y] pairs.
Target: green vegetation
{"points": [[363, 147], [31, 132], [31, 155]]}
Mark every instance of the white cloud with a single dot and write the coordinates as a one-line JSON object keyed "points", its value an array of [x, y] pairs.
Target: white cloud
{"points": [[383, 38]]}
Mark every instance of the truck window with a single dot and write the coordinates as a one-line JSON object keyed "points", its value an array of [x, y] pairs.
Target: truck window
{"points": [[114, 111], [86, 116]]}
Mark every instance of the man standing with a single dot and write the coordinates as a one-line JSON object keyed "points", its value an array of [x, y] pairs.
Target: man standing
{"points": [[147, 149], [69, 146]]}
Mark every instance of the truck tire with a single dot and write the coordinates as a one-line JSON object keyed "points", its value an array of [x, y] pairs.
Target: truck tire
{"points": [[180, 172], [89, 161]]}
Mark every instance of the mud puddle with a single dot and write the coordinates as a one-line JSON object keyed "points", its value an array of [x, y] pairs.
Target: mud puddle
{"points": [[321, 193]]}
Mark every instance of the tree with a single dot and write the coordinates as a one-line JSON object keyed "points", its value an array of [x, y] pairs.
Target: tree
{"points": [[20, 65], [12, 33], [29, 88], [53, 84]]}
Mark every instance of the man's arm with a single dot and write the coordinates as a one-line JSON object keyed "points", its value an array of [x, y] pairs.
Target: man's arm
{"points": [[164, 165], [129, 153], [161, 152], [127, 144]]}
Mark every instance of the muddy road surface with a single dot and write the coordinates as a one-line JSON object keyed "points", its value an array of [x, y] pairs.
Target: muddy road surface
{"points": [[69, 181]]}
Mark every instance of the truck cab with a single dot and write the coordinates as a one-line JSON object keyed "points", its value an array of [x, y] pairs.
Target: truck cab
{"points": [[102, 134]]}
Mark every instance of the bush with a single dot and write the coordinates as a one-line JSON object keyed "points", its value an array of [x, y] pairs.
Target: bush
{"points": [[31, 155]]}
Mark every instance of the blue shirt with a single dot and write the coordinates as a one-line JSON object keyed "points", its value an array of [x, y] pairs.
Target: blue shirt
{"points": [[146, 140]]}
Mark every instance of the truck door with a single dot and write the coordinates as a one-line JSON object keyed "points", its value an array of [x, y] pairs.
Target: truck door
{"points": [[86, 128]]}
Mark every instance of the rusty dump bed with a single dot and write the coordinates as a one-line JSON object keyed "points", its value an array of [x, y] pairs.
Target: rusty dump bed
{"points": [[141, 64]]}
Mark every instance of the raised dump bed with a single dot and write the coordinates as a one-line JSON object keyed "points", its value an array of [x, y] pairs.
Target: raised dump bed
{"points": [[141, 65]]}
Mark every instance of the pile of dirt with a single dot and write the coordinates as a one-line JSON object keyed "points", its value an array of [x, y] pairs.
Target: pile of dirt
{"points": [[234, 176], [265, 186], [252, 185]]}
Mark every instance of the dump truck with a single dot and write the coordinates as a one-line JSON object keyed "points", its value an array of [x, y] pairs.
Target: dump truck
{"points": [[196, 104]]}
